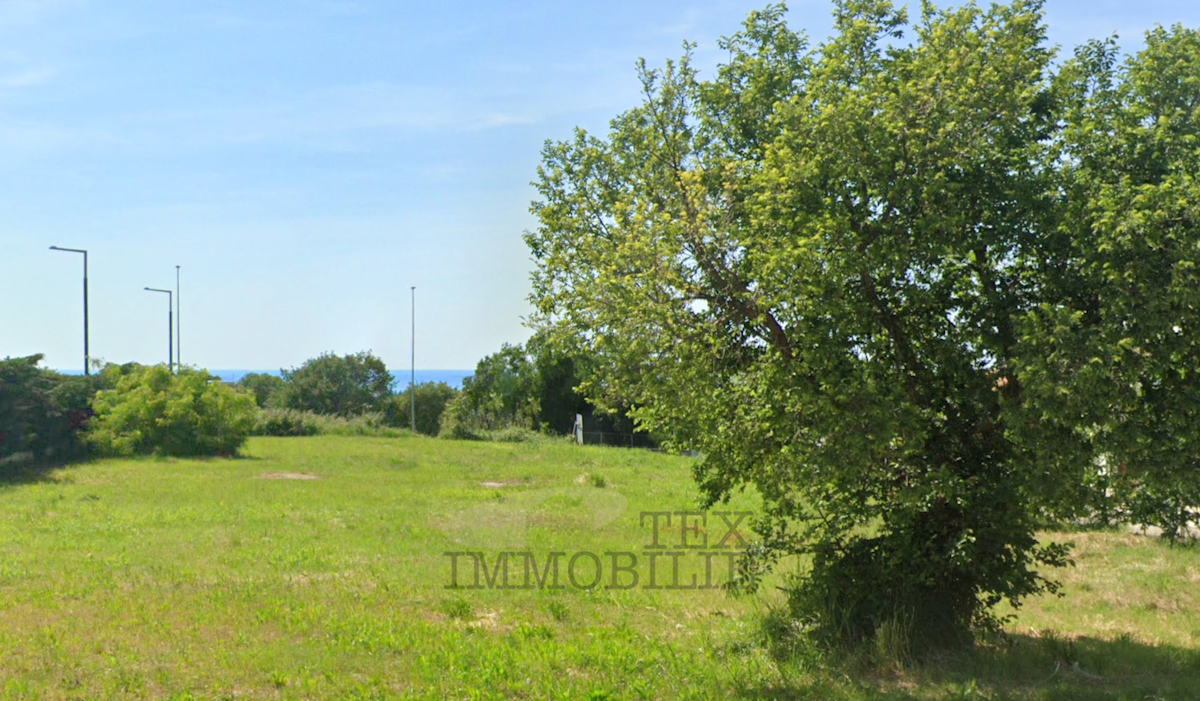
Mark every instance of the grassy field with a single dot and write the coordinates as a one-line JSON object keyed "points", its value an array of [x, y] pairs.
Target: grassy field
{"points": [[317, 568]]}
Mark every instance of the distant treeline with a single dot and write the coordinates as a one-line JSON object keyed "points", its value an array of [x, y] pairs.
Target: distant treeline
{"points": [[516, 393], [523, 388]]}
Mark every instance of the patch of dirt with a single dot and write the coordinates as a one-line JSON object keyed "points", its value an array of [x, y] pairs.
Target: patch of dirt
{"points": [[489, 620], [287, 476], [498, 485]]}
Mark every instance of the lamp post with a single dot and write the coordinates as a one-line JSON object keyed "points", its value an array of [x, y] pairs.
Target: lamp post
{"points": [[412, 364], [178, 323], [170, 326], [87, 361]]}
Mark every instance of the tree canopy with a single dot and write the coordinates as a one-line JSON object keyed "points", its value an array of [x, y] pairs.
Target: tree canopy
{"points": [[347, 385], [917, 286]]}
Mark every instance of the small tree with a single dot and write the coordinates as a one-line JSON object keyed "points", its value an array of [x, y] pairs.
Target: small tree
{"points": [[152, 410], [431, 400], [557, 373], [346, 385], [267, 389], [501, 392]]}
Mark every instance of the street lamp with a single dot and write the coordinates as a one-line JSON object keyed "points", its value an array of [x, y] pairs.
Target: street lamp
{"points": [[86, 358], [170, 325], [178, 323], [412, 364]]}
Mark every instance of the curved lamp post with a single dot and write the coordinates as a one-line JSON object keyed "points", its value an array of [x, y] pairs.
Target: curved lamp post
{"points": [[86, 358], [170, 327]]}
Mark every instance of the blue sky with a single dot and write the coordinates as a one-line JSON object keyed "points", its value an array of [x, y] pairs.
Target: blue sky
{"points": [[307, 161]]}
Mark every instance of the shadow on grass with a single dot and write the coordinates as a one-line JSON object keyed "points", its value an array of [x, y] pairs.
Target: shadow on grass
{"points": [[23, 469], [1032, 668]]}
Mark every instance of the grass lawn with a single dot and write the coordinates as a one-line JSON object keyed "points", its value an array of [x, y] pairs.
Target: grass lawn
{"points": [[318, 568]]}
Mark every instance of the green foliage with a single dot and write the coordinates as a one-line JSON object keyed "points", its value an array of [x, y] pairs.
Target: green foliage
{"points": [[838, 274], [557, 371], [267, 388], [41, 411], [431, 401], [152, 410], [1115, 358], [501, 393], [287, 422], [290, 422], [460, 422], [341, 385], [531, 386]]}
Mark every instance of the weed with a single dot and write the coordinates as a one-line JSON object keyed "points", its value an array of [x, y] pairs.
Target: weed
{"points": [[457, 608]]}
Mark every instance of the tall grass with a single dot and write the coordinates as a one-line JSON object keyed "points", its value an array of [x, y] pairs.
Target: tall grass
{"points": [[291, 422]]}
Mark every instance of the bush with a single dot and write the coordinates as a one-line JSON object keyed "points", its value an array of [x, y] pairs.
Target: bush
{"points": [[286, 422], [289, 422], [460, 423], [41, 411], [432, 399], [152, 410]]}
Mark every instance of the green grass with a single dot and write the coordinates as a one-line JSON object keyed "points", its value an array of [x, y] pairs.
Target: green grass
{"points": [[201, 579]]}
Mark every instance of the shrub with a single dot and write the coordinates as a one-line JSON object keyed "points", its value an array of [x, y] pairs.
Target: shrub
{"points": [[286, 422], [460, 423], [431, 400], [289, 422], [152, 410], [41, 411], [515, 434]]}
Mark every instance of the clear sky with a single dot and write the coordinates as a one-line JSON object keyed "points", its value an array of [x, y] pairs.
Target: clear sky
{"points": [[307, 161]]}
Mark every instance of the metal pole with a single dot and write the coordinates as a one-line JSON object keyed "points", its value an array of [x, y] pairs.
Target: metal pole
{"points": [[87, 359], [412, 364], [170, 326], [179, 323]]}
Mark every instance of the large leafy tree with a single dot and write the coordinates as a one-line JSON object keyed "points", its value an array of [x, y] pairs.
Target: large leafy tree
{"points": [[347, 385], [817, 269], [1113, 359]]}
